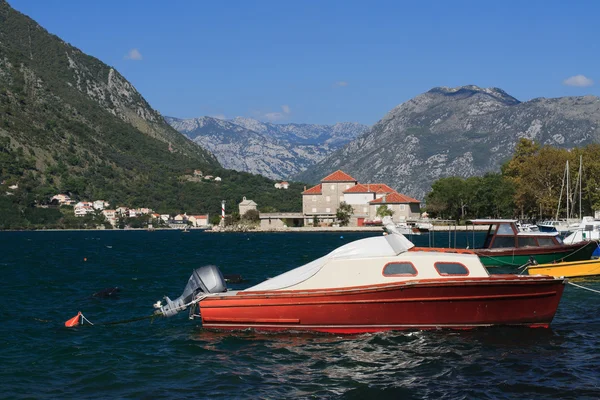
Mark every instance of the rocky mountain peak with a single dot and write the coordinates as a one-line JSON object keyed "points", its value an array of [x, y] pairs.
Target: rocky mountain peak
{"points": [[468, 91], [462, 131]]}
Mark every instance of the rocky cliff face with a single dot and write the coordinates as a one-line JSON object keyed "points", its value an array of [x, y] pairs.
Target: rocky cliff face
{"points": [[45, 79], [277, 151], [461, 131]]}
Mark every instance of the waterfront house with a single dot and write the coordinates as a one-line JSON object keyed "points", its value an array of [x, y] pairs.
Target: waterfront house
{"points": [[165, 217], [198, 220], [404, 207], [62, 199], [122, 211], [83, 210], [322, 201], [218, 179], [181, 218], [111, 216], [100, 204]]}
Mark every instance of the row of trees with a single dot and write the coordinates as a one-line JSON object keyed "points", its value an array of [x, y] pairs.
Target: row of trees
{"points": [[528, 186]]}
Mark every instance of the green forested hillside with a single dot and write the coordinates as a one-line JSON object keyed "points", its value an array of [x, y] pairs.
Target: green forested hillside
{"points": [[71, 124]]}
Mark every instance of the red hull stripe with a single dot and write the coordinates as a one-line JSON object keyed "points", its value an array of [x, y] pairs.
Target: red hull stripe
{"points": [[205, 304], [254, 320], [440, 282], [349, 329]]}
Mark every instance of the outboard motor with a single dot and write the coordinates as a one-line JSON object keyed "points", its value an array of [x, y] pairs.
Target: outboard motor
{"points": [[207, 279]]}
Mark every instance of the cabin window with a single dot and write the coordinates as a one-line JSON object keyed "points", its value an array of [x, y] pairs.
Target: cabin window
{"points": [[327, 199], [399, 269], [503, 241], [328, 209], [450, 268], [526, 241], [314, 209], [504, 229], [332, 187], [545, 241], [402, 207]]}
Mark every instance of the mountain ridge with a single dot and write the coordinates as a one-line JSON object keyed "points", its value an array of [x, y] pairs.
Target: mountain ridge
{"points": [[277, 151], [461, 131]]}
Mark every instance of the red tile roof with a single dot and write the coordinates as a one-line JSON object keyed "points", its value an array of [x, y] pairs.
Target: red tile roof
{"points": [[338, 176], [313, 190], [394, 198], [370, 188]]}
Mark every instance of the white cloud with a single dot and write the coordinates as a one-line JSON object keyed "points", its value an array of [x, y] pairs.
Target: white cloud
{"points": [[578, 80], [277, 116], [341, 84], [134, 54]]}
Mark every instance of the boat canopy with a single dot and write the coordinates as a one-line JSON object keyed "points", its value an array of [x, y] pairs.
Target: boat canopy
{"points": [[492, 221], [390, 245]]}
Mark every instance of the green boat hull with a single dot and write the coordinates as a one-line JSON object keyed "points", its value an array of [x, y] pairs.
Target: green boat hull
{"points": [[521, 257]]}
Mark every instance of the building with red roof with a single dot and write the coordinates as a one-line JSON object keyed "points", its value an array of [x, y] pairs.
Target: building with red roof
{"points": [[321, 201]]}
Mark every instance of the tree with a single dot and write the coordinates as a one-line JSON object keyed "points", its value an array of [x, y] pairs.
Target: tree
{"points": [[343, 213], [384, 211], [251, 216]]}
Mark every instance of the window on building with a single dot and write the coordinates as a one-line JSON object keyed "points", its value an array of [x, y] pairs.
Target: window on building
{"points": [[402, 207], [332, 187], [450, 268], [347, 187], [328, 199], [341, 198], [314, 209], [399, 268], [365, 209], [328, 209]]}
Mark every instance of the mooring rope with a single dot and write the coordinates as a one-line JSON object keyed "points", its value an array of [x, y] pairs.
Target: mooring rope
{"points": [[583, 287]]}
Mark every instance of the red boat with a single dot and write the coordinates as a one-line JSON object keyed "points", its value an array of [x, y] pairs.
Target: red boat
{"points": [[375, 284]]}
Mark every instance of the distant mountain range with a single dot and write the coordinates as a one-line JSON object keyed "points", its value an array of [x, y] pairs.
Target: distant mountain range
{"points": [[277, 151], [462, 131]]}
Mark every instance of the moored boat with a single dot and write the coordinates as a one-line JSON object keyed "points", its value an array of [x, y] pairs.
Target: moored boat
{"points": [[374, 284], [573, 269], [505, 245]]}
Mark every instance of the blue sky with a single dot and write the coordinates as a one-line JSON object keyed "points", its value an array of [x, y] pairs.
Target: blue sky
{"points": [[329, 61]]}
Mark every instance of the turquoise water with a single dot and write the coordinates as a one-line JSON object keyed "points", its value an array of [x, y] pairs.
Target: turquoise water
{"points": [[46, 280]]}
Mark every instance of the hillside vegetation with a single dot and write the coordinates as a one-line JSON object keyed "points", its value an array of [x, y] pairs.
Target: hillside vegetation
{"points": [[72, 124]]}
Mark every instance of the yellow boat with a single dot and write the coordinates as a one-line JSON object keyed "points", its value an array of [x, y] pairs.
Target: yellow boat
{"points": [[571, 269]]}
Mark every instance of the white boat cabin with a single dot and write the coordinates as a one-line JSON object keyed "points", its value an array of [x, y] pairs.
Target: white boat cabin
{"points": [[376, 261]]}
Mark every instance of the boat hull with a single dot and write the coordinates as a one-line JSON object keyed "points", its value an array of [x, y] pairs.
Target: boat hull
{"points": [[543, 255], [567, 269], [461, 304]]}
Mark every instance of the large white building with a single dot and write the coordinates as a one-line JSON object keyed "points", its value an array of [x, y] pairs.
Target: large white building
{"points": [[323, 200]]}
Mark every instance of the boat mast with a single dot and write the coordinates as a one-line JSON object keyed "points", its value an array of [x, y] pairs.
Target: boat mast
{"points": [[580, 182], [562, 187], [568, 189]]}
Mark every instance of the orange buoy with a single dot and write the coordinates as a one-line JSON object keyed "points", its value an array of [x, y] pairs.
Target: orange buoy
{"points": [[75, 321], [85, 259]]}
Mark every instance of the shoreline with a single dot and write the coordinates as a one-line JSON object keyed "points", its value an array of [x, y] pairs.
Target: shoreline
{"points": [[437, 228]]}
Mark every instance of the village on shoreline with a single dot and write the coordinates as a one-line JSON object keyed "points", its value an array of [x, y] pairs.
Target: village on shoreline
{"points": [[364, 206]]}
